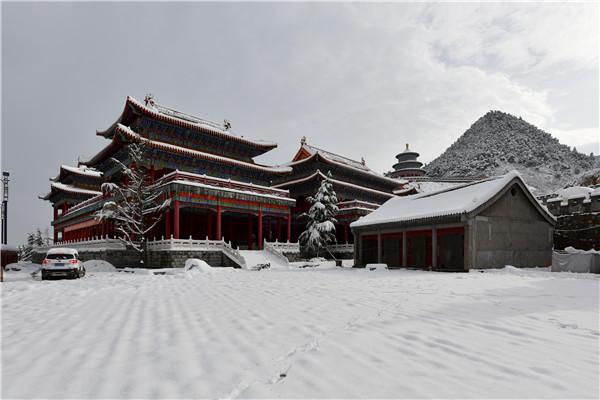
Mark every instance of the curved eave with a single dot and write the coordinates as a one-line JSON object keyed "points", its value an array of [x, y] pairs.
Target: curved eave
{"points": [[399, 165], [398, 171], [56, 188], [131, 135], [64, 172], [407, 153], [133, 106], [319, 175], [368, 173]]}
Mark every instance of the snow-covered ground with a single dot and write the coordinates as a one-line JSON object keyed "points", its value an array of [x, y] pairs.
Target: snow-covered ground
{"points": [[312, 332]]}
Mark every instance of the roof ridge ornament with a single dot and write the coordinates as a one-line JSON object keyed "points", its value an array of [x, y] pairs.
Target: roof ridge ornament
{"points": [[362, 161], [149, 100], [407, 149], [303, 140], [227, 124]]}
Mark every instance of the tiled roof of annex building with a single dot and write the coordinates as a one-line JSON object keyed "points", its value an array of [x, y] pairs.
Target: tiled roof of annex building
{"points": [[454, 201]]}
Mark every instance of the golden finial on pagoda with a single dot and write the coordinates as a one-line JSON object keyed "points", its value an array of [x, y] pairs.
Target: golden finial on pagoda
{"points": [[406, 147]]}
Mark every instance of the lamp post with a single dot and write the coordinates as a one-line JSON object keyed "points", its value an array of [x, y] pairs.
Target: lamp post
{"points": [[5, 175]]}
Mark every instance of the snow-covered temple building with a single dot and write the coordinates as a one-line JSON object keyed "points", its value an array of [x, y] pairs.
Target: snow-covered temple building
{"points": [[359, 189], [216, 188]]}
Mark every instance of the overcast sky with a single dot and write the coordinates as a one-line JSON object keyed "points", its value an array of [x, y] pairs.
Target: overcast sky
{"points": [[357, 79]]}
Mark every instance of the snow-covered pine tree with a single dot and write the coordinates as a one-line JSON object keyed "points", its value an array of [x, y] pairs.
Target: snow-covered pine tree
{"points": [[320, 229], [26, 249], [138, 204]]}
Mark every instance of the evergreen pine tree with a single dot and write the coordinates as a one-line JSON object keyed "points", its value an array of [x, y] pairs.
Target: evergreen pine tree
{"points": [[320, 229], [138, 203]]}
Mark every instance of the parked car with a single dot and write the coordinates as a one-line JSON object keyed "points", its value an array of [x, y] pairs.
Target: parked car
{"points": [[62, 262]]}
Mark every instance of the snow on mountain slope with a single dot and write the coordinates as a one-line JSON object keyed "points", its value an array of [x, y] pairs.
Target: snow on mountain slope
{"points": [[499, 142]]}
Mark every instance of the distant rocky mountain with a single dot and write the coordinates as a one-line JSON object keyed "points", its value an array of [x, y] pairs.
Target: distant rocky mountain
{"points": [[499, 142]]}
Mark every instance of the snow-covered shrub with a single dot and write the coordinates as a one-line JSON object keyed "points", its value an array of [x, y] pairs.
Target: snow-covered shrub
{"points": [[197, 265]]}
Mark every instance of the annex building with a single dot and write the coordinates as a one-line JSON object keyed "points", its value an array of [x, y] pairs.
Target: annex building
{"points": [[484, 224]]}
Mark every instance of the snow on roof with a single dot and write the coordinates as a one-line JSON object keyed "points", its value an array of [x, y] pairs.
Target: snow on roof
{"points": [[205, 125], [574, 192], [69, 188], [86, 171], [453, 201], [336, 181], [162, 145], [335, 157], [83, 170], [340, 160], [427, 187]]}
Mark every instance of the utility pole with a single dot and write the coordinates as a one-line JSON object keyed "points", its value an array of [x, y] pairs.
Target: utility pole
{"points": [[4, 207], [5, 175]]}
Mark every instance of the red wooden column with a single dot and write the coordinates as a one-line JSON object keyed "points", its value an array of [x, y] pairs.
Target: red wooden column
{"points": [[279, 230], [250, 231], [219, 236], [345, 233], [55, 230], [209, 230], [269, 230], [176, 219], [289, 227], [168, 224], [259, 237]]}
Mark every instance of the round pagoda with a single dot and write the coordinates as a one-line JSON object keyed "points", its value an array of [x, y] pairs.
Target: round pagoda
{"points": [[407, 165]]}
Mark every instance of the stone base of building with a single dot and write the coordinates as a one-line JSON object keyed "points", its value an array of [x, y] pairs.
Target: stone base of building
{"points": [[128, 258]]}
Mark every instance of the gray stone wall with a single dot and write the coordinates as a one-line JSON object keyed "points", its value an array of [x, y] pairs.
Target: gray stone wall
{"points": [[156, 259], [512, 232], [177, 258], [118, 258], [581, 231]]}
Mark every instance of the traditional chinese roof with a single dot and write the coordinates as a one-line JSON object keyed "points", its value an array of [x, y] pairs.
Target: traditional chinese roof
{"points": [[307, 153], [319, 175], [81, 170], [56, 187], [461, 200], [130, 135], [134, 108]]}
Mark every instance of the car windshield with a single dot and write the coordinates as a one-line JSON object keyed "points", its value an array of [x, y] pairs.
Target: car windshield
{"points": [[60, 256]]}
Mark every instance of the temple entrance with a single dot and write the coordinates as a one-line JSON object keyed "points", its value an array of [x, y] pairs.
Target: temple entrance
{"points": [[419, 249], [392, 250], [451, 253]]}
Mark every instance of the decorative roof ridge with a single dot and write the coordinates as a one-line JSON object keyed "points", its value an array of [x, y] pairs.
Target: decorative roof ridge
{"points": [[327, 152], [340, 182], [367, 171], [92, 173], [170, 117], [156, 143], [68, 188]]}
